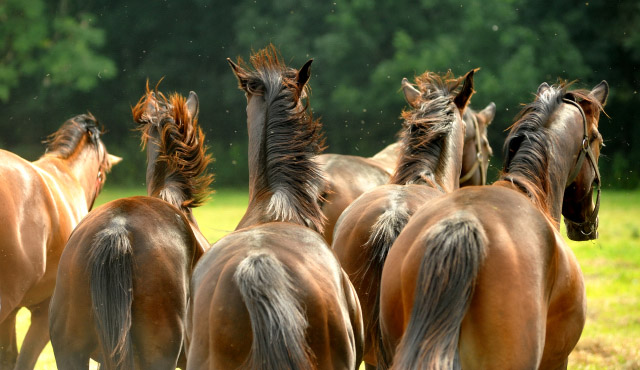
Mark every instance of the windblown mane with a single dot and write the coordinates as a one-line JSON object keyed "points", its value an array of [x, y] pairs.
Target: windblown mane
{"points": [[64, 142], [526, 152], [292, 138], [425, 129], [180, 176]]}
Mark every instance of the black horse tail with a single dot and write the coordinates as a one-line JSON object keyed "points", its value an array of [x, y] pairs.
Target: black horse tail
{"points": [[454, 251], [110, 264], [383, 233], [277, 318]]}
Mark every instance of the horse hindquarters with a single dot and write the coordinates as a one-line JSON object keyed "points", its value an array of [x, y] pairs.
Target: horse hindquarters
{"points": [[453, 251], [277, 319]]}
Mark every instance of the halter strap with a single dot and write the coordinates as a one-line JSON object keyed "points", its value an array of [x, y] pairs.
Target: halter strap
{"points": [[590, 224], [478, 161]]}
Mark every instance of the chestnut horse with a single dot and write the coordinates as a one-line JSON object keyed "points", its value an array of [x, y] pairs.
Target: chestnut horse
{"points": [[348, 176], [122, 289], [482, 278], [271, 294], [432, 144], [42, 202]]}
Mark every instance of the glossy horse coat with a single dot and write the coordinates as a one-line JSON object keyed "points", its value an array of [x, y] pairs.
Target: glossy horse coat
{"points": [[271, 295], [482, 277], [432, 146], [122, 289], [41, 202]]}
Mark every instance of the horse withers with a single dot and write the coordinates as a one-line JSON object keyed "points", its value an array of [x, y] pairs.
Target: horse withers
{"points": [[122, 288], [42, 202]]}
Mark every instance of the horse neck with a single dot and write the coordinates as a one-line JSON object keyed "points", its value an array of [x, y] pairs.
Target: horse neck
{"points": [[440, 169], [560, 151], [79, 169], [278, 196], [153, 151], [449, 173]]}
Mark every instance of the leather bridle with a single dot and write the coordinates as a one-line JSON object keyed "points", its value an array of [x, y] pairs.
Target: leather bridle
{"points": [[479, 156], [590, 225]]}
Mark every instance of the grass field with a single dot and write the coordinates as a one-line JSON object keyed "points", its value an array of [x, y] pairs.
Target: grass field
{"points": [[611, 266]]}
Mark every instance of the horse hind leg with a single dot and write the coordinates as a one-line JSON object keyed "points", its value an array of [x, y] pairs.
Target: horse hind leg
{"points": [[36, 338], [8, 344]]}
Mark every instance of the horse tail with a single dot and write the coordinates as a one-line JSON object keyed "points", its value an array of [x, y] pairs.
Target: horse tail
{"points": [[455, 248], [110, 263], [277, 318], [383, 233]]}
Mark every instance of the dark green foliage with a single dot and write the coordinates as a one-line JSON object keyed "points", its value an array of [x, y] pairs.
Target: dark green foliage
{"points": [[62, 58]]}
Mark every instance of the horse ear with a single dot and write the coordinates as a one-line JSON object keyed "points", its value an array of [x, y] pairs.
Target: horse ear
{"points": [[542, 88], [304, 74], [240, 74], [152, 104], [488, 113], [411, 94], [601, 92], [462, 99], [114, 159], [192, 104]]}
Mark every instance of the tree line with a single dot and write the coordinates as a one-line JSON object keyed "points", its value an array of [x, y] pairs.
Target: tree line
{"points": [[66, 57]]}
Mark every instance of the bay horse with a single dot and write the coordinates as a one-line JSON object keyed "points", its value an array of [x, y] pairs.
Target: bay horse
{"points": [[122, 290], [271, 294], [42, 201], [477, 150], [432, 143], [348, 176], [482, 278]]}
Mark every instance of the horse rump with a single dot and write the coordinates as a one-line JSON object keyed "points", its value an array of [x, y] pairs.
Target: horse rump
{"points": [[455, 248], [278, 321]]}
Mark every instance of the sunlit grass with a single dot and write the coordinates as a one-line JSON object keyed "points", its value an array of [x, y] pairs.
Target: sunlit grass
{"points": [[611, 266]]}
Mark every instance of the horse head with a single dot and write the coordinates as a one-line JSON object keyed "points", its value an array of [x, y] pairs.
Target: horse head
{"points": [[434, 131], [176, 155], [579, 209], [477, 150], [285, 182], [78, 142]]}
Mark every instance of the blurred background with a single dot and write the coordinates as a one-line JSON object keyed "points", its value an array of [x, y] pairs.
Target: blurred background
{"points": [[62, 58]]}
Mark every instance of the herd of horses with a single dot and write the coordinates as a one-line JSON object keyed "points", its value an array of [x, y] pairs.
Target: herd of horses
{"points": [[403, 260]]}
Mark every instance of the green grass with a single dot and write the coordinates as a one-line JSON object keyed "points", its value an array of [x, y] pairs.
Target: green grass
{"points": [[611, 266]]}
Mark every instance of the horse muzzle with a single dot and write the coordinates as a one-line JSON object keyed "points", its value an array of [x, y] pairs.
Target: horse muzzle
{"points": [[582, 231]]}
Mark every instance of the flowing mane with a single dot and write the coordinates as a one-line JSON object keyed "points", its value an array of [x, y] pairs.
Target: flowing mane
{"points": [[292, 138], [526, 151], [181, 176], [64, 142], [425, 129]]}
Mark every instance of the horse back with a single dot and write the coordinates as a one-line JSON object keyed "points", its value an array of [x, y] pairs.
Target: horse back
{"points": [[347, 177], [221, 325]]}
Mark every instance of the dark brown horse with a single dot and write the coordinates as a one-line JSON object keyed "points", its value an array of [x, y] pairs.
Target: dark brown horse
{"points": [[122, 290], [348, 176], [432, 145], [482, 277], [41, 202], [271, 295]]}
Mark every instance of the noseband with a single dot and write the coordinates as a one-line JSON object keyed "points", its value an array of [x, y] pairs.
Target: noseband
{"points": [[589, 226], [478, 161]]}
